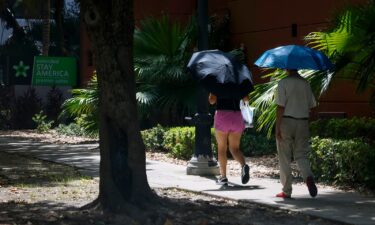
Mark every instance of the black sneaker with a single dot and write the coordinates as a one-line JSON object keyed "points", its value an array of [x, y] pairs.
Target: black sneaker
{"points": [[245, 176], [222, 181], [313, 190]]}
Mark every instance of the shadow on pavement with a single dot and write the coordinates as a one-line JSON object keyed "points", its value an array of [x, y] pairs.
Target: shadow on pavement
{"points": [[346, 207], [349, 207], [235, 187], [84, 157]]}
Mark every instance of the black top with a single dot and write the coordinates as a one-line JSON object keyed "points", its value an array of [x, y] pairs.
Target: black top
{"points": [[228, 104]]}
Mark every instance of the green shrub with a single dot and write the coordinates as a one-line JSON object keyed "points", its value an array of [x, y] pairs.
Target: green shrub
{"points": [[53, 104], [180, 142], [345, 128], [42, 125], [88, 123], [6, 100], [255, 143], [83, 106], [25, 107], [154, 138], [213, 142], [343, 162], [71, 129]]}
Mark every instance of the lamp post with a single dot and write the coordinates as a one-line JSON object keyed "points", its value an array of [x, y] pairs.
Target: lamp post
{"points": [[202, 162]]}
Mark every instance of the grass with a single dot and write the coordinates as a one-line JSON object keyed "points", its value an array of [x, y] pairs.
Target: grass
{"points": [[20, 171]]}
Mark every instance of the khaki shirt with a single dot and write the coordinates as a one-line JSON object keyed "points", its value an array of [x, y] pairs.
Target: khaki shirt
{"points": [[295, 95]]}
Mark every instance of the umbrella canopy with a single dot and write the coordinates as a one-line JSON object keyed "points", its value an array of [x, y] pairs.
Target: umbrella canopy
{"points": [[294, 57], [221, 74]]}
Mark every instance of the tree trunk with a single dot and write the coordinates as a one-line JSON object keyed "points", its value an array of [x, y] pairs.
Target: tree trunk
{"points": [[59, 19], [46, 15], [123, 180]]}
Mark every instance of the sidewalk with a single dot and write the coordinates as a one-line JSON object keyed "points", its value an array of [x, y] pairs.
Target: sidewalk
{"points": [[346, 207]]}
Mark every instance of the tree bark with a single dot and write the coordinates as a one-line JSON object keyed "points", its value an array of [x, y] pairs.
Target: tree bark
{"points": [[123, 180], [59, 19], [46, 26]]}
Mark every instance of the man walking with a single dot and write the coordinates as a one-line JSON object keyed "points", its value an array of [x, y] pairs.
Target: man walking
{"points": [[294, 100]]}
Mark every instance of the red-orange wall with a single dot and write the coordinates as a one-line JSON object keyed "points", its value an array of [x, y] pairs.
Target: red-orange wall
{"points": [[264, 24], [180, 10]]}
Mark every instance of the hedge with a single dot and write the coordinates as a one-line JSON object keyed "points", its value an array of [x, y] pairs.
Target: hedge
{"points": [[179, 142], [345, 128], [343, 162], [333, 160]]}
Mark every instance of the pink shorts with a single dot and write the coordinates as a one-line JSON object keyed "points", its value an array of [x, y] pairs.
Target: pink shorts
{"points": [[229, 121]]}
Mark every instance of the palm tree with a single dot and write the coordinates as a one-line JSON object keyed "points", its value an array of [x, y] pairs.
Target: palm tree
{"points": [[351, 45], [263, 96], [84, 106], [161, 51]]}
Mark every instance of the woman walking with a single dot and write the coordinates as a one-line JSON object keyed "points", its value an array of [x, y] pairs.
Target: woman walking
{"points": [[229, 125]]}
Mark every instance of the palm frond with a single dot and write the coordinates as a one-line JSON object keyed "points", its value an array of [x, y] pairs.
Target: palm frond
{"points": [[84, 105], [158, 36], [160, 57], [351, 45], [262, 99], [147, 95], [264, 95], [319, 81], [146, 101]]}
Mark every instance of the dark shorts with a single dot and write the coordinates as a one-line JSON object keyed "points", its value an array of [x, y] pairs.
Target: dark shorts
{"points": [[229, 121]]}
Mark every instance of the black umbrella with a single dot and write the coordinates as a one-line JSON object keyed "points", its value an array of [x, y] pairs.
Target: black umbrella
{"points": [[221, 74]]}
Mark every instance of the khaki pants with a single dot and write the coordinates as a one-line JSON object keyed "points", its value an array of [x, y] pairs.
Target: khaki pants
{"points": [[295, 140]]}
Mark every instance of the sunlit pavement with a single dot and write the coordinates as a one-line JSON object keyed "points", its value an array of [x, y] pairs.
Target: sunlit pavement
{"points": [[330, 203]]}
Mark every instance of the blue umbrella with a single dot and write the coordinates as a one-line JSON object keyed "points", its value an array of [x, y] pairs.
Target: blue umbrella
{"points": [[221, 74], [294, 57]]}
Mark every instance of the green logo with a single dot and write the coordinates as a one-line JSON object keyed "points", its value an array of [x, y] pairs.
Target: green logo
{"points": [[21, 69]]}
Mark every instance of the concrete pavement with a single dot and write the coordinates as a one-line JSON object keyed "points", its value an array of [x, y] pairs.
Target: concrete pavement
{"points": [[347, 207]]}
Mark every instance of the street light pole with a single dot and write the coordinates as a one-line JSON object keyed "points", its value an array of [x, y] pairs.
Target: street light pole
{"points": [[202, 162]]}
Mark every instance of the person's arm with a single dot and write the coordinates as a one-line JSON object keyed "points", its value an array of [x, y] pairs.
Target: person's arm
{"points": [[212, 99], [312, 103], [245, 99], [280, 100], [279, 116]]}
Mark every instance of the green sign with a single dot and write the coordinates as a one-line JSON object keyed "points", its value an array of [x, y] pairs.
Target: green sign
{"points": [[58, 71]]}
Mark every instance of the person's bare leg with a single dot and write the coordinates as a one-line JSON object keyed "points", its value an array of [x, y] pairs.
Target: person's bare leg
{"points": [[222, 146], [234, 147]]}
